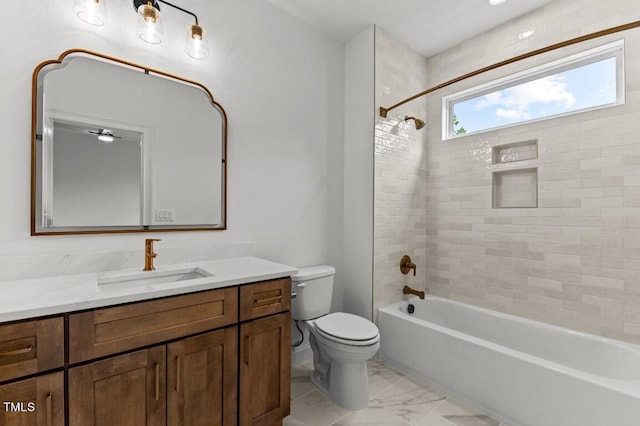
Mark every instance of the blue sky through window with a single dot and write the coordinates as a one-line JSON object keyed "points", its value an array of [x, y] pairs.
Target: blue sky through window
{"points": [[579, 88]]}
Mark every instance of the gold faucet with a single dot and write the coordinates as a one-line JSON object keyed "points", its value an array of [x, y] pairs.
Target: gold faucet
{"points": [[408, 290], [149, 254]]}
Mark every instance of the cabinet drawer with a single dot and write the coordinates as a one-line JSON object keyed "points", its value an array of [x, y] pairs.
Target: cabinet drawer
{"points": [[108, 331], [265, 298], [30, 347]]}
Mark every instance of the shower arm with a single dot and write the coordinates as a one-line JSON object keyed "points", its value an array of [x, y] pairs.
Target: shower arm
{"points": [[597, 34]]}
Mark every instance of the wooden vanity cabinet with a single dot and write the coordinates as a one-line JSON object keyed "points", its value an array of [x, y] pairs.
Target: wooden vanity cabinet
{"points": [[190, 381], [265, 353], [218, 357]]}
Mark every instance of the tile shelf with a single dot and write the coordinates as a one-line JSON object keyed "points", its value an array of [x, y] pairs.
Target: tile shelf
{"points": [[518, 151], [515, 188]]}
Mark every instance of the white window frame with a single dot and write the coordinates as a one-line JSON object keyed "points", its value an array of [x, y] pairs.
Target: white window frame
{"points": [[610, 50]]}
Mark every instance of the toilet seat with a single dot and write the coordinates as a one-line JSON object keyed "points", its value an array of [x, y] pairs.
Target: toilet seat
{"points": [[348, 329]]}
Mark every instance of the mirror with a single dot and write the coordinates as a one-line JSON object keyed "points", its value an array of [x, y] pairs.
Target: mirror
{"points": [[117, 147]]}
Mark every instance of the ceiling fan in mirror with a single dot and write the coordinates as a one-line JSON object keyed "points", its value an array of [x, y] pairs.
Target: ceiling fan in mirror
{"points": [[104, 135]]}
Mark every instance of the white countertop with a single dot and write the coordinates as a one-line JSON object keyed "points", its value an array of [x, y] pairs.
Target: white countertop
{"points": [[37, 297]]}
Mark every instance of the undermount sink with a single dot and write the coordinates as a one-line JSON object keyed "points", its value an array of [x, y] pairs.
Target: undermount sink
{"points": [[147, 278]]}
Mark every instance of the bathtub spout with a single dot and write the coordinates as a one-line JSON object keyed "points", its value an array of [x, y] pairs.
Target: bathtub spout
{"points": [[408, 290]]}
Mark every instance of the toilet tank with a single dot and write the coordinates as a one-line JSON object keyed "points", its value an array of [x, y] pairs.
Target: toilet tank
{"points": [[313, 286]]}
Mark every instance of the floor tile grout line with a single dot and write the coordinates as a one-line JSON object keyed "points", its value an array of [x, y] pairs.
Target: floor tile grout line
{"points": [[303, 394]]}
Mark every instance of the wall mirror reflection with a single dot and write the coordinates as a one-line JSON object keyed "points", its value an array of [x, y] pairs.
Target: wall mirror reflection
{"points": [[118, 147]]}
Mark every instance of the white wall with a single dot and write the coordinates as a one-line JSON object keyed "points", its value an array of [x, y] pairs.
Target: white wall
{"points": [[385, 171], [280, 82], [358, 174]]}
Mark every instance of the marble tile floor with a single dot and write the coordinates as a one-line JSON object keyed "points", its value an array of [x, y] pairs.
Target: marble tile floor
{"points": [[394, 399]]}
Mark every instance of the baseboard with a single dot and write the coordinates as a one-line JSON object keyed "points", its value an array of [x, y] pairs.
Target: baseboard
{"points": [[301, 355]]}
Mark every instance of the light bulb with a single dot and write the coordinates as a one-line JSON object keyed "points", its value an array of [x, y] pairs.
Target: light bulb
{"points": [[196, 43], [92, 12], [149, 27], [105, 135], [526, 34]]}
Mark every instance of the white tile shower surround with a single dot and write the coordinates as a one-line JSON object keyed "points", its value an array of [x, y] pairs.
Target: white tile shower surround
{"points": [[394, 399], [574, 260]]}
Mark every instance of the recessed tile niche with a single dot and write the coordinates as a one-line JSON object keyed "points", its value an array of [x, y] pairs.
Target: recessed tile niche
{"points": [[519, 151], [515, 188]]}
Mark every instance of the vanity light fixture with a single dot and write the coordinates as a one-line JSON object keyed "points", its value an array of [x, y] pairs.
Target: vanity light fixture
{"points": [[91, 11], [149, 26]]}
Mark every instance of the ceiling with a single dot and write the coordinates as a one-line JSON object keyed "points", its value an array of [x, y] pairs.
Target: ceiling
{"points": [[427, 26]]}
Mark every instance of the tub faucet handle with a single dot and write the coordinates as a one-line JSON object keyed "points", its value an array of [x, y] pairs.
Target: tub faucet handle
{"points": [[406, 265]]}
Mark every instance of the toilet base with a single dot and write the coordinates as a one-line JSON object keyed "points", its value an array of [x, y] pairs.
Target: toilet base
{"points": [[347, 385], [345, 382]]}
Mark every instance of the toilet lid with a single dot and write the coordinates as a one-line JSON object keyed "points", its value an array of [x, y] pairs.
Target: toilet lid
{"points": [[347, 326]]}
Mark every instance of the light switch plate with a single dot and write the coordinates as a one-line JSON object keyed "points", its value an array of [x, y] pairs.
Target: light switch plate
{"points": [[165, 215]]}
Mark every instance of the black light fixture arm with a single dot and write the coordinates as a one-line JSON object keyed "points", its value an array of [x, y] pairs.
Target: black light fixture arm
{"points": [[138, 3], [180, 9]]}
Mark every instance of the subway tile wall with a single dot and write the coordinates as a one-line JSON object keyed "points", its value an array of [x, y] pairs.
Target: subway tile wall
{"points": [[575, 259], [400, 200]]}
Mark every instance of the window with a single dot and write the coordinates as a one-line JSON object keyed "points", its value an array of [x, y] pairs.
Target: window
{"points": [[588, 80]]}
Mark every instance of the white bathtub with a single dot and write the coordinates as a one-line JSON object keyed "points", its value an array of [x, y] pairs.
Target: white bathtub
{"points": [[519, 371]]}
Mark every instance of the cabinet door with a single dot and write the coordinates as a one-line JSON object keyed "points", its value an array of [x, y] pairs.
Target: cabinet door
{"points": [[126, 390], [265, 370], [38, 401], [202, 379]]}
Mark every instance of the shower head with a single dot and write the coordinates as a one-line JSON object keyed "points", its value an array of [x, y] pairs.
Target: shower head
{"points": [[419, 123]]}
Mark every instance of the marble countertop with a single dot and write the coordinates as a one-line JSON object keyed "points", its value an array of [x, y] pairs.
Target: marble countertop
{"points": [[37, 297]]}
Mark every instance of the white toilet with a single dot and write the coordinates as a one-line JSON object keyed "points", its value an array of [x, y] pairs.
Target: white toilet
{"points": [[341, 343]]}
